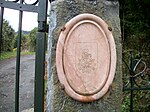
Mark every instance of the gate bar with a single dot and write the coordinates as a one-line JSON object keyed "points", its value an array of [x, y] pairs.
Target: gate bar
{"points": [[18, 6], [131, 82], [18, 60], [136, 89], [1, 26], [40, 57]]}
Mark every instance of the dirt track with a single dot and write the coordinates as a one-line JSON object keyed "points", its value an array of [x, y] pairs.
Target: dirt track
{"points": [[7, 83]]}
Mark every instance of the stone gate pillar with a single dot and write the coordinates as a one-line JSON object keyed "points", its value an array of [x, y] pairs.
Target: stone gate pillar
{"points": [[60, 13]]}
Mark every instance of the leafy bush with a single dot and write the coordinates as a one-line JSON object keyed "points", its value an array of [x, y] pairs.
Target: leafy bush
{"points": [[24, 42], [32, 36], [8, 37]]}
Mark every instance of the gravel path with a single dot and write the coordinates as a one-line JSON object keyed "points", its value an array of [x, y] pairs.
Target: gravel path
{"points": [[7, 83]]}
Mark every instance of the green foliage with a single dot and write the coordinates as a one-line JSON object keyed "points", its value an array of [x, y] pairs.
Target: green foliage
{"points": [[28, 41], [32, 36], [126, 103], [8, 37], [9, 40], [141, 98], [24, 42], [141, 101], [135, 26], [7, 55]]}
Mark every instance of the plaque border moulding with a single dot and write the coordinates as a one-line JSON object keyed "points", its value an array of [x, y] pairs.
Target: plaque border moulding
{"points": [[90, 63]]}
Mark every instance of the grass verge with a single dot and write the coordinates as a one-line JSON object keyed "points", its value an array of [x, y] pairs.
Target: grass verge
{"points": [[7, 55]]}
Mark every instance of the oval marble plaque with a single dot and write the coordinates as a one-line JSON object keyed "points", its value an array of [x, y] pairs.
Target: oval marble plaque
{"points": [[86, 58]]}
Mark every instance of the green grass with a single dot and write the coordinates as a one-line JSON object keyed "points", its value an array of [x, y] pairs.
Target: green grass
{"points": [[7, 55]]}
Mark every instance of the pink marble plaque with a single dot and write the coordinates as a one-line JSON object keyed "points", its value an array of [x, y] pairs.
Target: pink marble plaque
{"points": [[86, 58]]}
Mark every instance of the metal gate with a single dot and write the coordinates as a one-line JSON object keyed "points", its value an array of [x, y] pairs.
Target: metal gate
{"points": [[137, 72], [40, 7]]}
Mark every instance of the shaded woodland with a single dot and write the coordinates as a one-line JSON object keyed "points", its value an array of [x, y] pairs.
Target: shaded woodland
{"points": [[135, 27]]}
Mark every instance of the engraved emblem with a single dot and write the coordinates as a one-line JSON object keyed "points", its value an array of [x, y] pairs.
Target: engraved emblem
{"points": [[86, 62]]}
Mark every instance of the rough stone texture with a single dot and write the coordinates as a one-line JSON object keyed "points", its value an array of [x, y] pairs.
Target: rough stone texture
{"points": [[61, 12], [28, 110]]}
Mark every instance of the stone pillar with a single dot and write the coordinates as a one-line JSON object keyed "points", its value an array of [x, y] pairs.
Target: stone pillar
{"points": [[61, 12]]}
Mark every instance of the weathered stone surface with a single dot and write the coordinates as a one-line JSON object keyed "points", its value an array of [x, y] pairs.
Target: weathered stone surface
{"points": [[28, 110], [61, 12]]}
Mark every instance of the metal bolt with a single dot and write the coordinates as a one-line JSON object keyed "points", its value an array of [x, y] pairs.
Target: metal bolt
{"points": [[63, 28], [110, 89], [62, 86], [110, 28]]}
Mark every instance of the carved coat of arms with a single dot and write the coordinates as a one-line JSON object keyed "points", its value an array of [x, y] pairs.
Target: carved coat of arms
{"points": [[86, 60]]}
